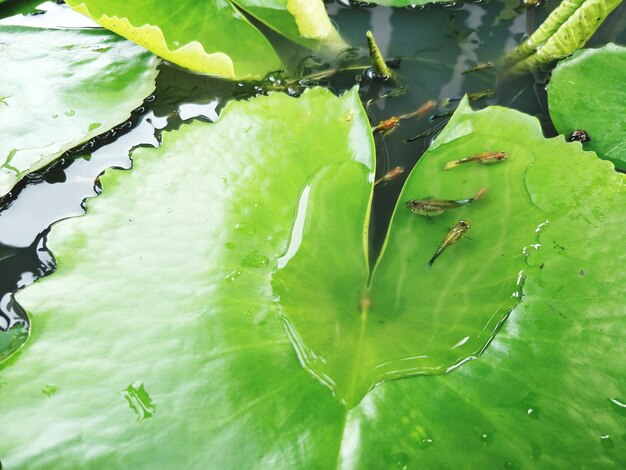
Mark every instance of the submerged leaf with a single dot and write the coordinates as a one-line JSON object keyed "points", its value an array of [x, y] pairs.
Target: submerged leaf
{"points": [[199, 35], [61, 88], [587, 92]]}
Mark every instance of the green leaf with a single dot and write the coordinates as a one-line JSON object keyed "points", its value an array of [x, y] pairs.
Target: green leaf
{"points": [[586, 92], [61, 88], [192, 238], [12, 340], [452, 309], [199, 35], [16, 7], [567, 29], [171, 312], [549, 390]]}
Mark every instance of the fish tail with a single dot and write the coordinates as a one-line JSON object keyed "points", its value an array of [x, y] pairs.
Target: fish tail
{"points": [[435, 256], [481, 192], [452, 164]]}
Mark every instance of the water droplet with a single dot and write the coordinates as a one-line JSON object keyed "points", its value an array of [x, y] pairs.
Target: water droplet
{"points": [[529, 405], [251, 311], [512, 465], [230, 245], [139, 401], [527, 250], [400, 460], [486, 438], [541, 226], [70, 112], [427, 442], [246, 228], [93, 126], [607, 442], [54, 116], [49, 390], [234, 274], [255, 260], [169, 210], [618, 406]]}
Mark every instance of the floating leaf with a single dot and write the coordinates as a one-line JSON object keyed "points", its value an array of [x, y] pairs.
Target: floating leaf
{"points": [[199, 35], [61, 88], [411, 318], [169, 298], [187, 308], [587, 92]]}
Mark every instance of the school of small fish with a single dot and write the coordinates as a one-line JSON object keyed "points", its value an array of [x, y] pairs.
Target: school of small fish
{"points": [[430, 206]]}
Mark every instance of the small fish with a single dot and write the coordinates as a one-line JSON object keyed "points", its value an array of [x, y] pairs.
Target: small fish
{"points": [[431, 207], [478, 68], [484, 157], [442, 115], [453, 236], [479, 95], [389, 125], [579, 135], [425, 134], [401, 90], [389, 176]]}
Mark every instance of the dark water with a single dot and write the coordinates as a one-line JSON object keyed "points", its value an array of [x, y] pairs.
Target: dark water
{"points": [[435, 45]]}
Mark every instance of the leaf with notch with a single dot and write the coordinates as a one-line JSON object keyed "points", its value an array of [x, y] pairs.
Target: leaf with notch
{"points": [[186, 312]]}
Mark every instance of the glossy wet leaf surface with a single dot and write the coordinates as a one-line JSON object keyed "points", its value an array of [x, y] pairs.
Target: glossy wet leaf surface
{"points": [[210, 376], [199, 35], [417, 319], [186, 309], [61, 88], [587, 92]]}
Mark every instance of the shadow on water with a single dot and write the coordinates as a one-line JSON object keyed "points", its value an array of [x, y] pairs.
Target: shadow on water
{"points": [[434, 45]]}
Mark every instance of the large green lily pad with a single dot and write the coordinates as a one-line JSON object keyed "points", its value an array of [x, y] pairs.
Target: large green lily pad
{"points": [[199, 35], [587, 92], [218, 202], [61, 88], [412, 318], [184, 361]]}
